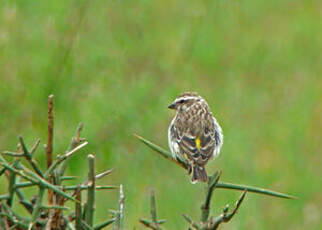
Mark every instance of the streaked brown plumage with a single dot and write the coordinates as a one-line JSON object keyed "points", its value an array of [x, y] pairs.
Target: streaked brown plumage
{"points": [[194, 134]]}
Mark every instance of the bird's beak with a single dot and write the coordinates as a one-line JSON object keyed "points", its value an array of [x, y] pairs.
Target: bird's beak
{"points": [[172, 106]]}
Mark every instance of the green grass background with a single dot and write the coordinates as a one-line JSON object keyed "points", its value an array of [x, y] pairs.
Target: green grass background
{"points": [[116, 65]]}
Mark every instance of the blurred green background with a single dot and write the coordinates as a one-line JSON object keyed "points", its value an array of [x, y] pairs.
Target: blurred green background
{"points": [[116, 65]]}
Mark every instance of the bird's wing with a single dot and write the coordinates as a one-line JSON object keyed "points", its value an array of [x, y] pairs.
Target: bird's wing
{"points": [[198, 149]]}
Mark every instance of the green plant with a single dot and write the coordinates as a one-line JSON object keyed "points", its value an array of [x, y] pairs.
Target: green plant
{"points": [[51, 215]]}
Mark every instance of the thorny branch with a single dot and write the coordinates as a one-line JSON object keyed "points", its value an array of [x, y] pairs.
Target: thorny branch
{"points": [[154, 223], [220, 184], [206, 222], [42, 215], [119, 214]]}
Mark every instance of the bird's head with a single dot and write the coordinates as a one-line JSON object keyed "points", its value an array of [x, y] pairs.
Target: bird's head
{"points": [[185, 101]]}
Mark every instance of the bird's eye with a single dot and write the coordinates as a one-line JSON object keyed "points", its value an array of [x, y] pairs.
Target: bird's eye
{"points": [[181, 101]]}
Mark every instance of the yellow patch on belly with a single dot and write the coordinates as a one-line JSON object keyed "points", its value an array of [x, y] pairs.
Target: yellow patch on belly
{"points": [[198, 143]]}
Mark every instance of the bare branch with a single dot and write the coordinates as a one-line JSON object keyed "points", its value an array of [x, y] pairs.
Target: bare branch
{"points": [[78, 209], [212, 182], [191, 222], [224, 217], [220, 184], [89, 210], [154, 223], [50, 133], [29, 158]]}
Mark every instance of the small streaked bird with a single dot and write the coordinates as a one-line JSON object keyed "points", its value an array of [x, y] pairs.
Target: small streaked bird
{"points": [[194, 134]]}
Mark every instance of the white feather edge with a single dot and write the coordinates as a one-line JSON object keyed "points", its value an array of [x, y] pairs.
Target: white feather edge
{"points": [[221, 138], [170, 142]]}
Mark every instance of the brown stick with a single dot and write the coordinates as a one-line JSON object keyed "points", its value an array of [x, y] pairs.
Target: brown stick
{"points": [[49, 146]]}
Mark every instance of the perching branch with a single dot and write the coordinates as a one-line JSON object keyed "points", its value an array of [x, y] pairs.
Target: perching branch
{"points": [[220, 184], [161, 151]]}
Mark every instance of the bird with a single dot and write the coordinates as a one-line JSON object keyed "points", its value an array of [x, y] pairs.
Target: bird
{"points": [[194, 135]]}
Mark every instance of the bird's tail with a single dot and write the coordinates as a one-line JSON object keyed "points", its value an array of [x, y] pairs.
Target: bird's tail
{"points": [[198, 174]]}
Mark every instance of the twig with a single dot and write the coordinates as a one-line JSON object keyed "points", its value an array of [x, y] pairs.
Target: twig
{"points": [[24, 184], [55, 207], [224, 217], [29, 158], [154, 223], [78, 209], [10, 211], [2, 171], [13, 154], [60, 159], [154, 210], [213, 180], [13, 220], [89, 211], [104, 224], [242, 187], [34, 147], [191, 222], [76, 140], [85, 225], [2, 220], [83, 187], [69, 224], [45, 183], [12, 181], [101, 175], [121, 207], [161, 151], [34, 178], [4, 197], [38, 205], [64, 178], [28, 206], [118, 224], [148, 223]]}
